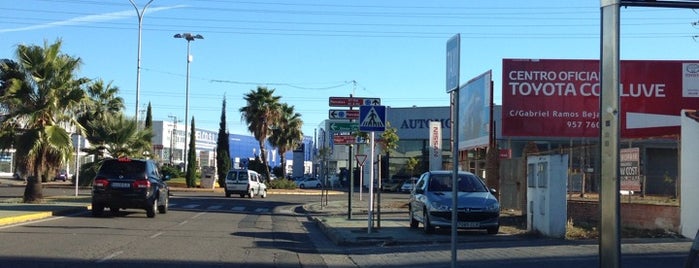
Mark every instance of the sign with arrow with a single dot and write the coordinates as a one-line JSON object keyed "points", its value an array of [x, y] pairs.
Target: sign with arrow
{"points": [[353, 101], [344, 126], [343, 114]]}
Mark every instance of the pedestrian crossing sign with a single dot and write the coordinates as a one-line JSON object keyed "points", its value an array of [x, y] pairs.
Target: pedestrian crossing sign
{"points": [[372, 118]]}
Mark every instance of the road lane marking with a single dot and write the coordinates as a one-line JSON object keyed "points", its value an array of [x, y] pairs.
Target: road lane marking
{"points": [[111, 256], [156, 235]]}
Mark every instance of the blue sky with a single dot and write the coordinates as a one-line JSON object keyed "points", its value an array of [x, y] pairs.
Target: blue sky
{"points": [[309, 51]]}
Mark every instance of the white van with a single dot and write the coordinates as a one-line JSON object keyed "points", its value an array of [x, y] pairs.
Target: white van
{"points": [[245, 182]]}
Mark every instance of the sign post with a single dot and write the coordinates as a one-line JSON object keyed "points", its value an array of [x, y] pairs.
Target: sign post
{"points": [[361, 158], [349, 127], [372, 118], [453, 70]]}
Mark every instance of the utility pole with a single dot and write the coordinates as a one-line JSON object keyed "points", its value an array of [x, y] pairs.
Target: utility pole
{"points": [[140, 14]]}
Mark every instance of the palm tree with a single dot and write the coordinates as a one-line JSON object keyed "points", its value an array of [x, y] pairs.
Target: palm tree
{"points": [[261, 115], [118, 136], [103, 102], [288, 134], [41, 105]]}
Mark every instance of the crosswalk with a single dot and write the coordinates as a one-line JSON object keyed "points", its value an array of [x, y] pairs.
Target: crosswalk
{"points": [[217, 207]]}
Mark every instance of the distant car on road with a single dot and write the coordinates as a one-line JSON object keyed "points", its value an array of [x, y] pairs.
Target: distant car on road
{"points": [[123, 183], [62, 175], [244, 182], [309, 183], [432, 199], [408, 185]]}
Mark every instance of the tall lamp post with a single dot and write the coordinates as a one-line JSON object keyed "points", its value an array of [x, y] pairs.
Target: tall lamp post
{"points": [[189, 37], [138, 57]]}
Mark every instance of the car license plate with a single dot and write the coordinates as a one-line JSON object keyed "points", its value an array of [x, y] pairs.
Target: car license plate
{"points": [[121, 185], [468, 224]]}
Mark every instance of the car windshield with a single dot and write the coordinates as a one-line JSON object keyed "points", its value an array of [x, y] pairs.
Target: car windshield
{"points": [[128, 169], [467, 183]]}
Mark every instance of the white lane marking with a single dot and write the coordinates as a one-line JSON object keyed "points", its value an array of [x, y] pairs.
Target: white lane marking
{"points": [[156, 235], [191, 206], [261, 210], [215, 207], [111, 256], [238, 208]]}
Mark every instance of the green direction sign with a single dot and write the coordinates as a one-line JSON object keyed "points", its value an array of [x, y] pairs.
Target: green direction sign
{"points": [[344, 126]]}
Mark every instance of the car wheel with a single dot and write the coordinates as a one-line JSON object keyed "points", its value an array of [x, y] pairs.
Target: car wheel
{"points": [[413, 222], [242, 195], [97, 210], [150, 210], [114, 210], [163, 207], [427, 226], [251, 194], [228, 194], [302, 186], [264, 193], [318, 186], [494, 230]]}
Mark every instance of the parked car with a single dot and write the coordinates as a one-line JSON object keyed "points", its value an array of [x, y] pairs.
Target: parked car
{"points": [[431, 202], [61, 175], [309, 183], [244, 182], [392, 185], [123, 183], [408, 185]]}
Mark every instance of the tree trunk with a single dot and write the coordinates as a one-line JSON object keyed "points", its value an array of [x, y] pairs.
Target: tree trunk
{"points": [[33, 191]]}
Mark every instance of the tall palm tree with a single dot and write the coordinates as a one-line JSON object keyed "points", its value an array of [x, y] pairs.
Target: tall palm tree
{"points": [[118, 136], [41, 105], [261, 115], [288, 134]]}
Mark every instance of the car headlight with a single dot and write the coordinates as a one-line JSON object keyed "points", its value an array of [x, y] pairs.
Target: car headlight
{"points": [[438, 206], [494, 207]]}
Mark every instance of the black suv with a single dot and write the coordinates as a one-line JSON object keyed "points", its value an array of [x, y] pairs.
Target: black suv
{"points": [[129, 183]]}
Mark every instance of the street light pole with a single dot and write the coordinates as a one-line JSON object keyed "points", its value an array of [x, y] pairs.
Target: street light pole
{"points": [[138, 56], [189, 37]]}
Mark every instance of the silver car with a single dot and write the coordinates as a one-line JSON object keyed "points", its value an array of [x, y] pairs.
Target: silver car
{"points": [[431, 203]]}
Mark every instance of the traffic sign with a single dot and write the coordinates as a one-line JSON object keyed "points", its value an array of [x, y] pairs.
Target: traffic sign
{"points": [[372, 118], [352, 101], [343, 114], [344, 126], [360, 159], [453, 62], [344, 139]]}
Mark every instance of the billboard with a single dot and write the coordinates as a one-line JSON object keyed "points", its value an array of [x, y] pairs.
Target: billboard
{"points": [[435, 145], [560, 98], [474, 112]]}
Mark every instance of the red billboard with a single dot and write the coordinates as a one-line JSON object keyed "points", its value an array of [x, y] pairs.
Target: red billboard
{"points": [[560, 98]]}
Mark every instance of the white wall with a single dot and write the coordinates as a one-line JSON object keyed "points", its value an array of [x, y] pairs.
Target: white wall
{"points": [[689, 176]]}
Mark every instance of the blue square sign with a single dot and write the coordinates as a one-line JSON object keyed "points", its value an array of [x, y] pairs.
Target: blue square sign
{"points": [[372, 118]]}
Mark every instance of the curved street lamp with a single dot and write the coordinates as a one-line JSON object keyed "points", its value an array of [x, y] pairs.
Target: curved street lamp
{"points": [[138, 57], [189, 37]]}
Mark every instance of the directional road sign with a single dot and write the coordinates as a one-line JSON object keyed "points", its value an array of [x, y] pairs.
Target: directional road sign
{"points": [[343, 114], [372, 118], [344, 126], [344, 139], [352, 101]]}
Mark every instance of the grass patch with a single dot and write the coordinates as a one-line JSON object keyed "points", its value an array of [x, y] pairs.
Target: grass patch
{"points": [[589, 230]]}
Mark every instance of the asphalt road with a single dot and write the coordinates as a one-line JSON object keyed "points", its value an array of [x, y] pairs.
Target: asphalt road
{"points": [[209, 230]]}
